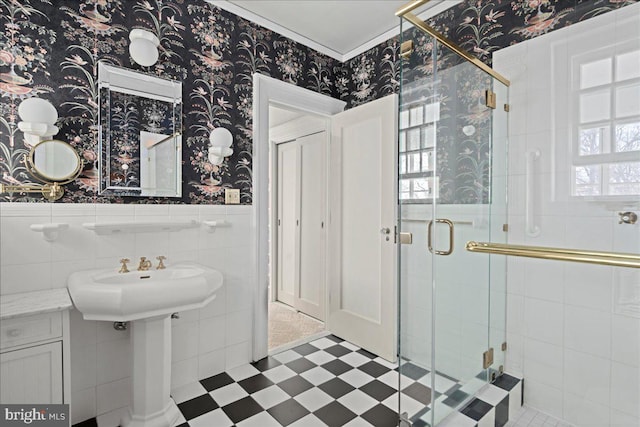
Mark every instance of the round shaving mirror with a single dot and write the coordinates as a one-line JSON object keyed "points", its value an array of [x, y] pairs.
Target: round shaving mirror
{"points": [[54, 161]]}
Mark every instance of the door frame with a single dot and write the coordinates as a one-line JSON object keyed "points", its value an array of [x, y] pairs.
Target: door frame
{"points": [[266, 91]]}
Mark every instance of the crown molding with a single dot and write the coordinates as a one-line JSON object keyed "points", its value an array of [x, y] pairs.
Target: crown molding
{"points": [[438, 7]]}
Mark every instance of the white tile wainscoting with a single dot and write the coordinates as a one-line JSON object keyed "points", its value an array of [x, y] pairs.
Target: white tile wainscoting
{"points": [[205, 342]]}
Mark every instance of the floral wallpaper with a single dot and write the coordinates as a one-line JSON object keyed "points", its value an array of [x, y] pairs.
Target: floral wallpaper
{"points": [[463, 162], [51, 49], [125, 117], [122, 145], [481, 27]]}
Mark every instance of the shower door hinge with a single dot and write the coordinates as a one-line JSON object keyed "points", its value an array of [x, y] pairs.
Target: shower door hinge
{"points": [[507, 107], [505, 228], [490, 98], [487, 358], [404, 420], [504, 346], [406, 48]]}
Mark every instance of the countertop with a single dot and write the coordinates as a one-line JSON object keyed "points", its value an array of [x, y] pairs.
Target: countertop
{"points": [[30, 303]]}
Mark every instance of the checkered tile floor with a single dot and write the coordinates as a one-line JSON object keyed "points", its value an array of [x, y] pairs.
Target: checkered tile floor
{"points": [[328, 382], [331, 382]]}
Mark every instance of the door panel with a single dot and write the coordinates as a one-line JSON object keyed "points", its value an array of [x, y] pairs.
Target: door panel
{"points": [[362, 259], [288, 214], [311, 295], [361, 219]]}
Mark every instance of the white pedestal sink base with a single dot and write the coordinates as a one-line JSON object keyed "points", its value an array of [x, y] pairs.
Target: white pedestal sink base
{"points": [[167, 417], [152, 405]]}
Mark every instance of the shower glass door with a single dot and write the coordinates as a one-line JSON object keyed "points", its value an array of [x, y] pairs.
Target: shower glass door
{"points": [[452, 189]]}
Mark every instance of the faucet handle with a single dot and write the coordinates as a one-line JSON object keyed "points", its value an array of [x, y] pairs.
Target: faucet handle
{"points": [[123, 268], [161, 265]]}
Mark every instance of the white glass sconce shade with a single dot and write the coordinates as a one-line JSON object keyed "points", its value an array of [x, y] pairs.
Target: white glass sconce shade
{"points": [[37, 110], [38, 119], [143, 47], [220, 141]]}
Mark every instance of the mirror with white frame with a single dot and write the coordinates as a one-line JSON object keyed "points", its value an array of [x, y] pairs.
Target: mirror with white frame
{"points": [[140, 134]]}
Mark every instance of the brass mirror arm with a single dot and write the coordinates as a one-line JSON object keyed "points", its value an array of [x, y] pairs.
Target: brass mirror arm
{"points": [[51, 192]]}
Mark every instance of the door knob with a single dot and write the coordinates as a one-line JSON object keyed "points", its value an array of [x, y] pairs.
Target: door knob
{"points": [[385, 230]]}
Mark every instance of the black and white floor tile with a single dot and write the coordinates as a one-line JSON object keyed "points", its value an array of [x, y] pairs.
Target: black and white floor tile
{"points": [[331, 382], [328, 382], [492, 407]]}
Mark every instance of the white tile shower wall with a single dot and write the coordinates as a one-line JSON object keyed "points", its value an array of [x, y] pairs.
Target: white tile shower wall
{"points": [[205, 341], [575, 345]]}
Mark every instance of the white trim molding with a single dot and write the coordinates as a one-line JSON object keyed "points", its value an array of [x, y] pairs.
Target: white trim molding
{"points": [[435, 7], [296, 128], [266, 91]]}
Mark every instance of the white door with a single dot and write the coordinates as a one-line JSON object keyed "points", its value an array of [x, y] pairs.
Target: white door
{"points": [[288, 221], [301, 224], [362, 251], [311, 295]]}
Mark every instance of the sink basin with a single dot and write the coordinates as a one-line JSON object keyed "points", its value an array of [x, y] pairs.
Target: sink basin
{"points": [[121, 297], [146, 299]]}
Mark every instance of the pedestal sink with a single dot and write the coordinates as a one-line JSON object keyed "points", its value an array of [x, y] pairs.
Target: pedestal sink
{"points": [[146, 299]]}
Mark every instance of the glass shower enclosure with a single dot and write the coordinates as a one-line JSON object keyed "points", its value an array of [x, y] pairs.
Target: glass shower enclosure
{"points": [[452, 189]]}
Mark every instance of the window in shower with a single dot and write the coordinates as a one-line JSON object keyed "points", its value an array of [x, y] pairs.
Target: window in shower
{"points": [[417, 138], [606, 147]]}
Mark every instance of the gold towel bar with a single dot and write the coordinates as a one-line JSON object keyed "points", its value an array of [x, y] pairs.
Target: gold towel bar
{"points": [[615, 259]]}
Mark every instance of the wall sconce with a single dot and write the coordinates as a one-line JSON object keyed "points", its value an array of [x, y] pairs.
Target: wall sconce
{"points": [[220, 141], [38, 120], [143, 47]]}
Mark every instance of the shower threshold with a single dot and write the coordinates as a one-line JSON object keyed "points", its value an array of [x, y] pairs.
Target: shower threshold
{"points": [[494, 405]]}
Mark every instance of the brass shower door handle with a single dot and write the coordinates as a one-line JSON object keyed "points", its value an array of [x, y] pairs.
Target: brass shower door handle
{"points": [[449, 251]]}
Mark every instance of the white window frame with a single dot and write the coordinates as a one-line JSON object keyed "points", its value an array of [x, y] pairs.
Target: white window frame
{"points": [[429, 174], [608, 155]]}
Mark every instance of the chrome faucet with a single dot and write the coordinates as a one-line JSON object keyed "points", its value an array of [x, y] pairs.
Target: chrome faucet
{"points": [[144, 265]]}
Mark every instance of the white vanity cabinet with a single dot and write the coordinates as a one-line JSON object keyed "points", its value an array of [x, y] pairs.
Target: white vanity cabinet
{"points": [[34, 347]]}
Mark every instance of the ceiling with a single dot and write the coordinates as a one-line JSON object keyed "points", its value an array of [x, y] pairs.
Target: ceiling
{"points": [[341, 29]]}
